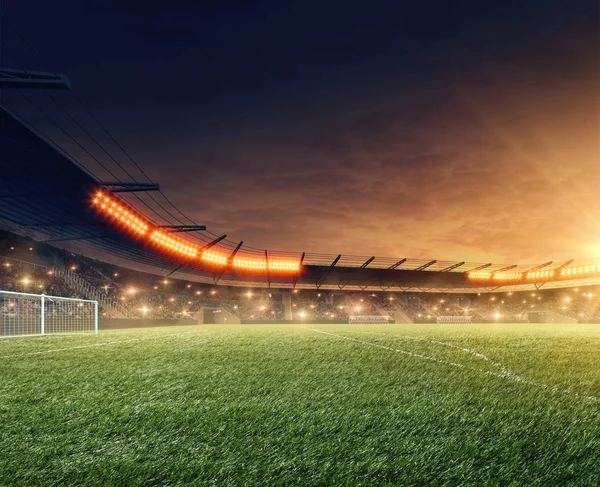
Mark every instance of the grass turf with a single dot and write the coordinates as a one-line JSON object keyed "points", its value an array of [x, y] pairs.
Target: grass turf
{"points": [[285, 405]]}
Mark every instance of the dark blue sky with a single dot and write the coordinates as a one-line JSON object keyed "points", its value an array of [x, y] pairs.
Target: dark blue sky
{"points": [[456, 129]]}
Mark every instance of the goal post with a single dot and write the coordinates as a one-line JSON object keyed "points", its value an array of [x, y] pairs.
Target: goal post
{"points": [[368, 320], [454, 320], [37, 314]]}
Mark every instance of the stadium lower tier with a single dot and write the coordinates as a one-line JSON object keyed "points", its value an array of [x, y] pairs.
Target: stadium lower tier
{"points": [[123, 293]]}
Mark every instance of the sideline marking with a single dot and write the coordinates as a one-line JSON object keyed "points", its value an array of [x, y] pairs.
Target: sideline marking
{"points": [[450, 345], [503, 375], [95, 345]]}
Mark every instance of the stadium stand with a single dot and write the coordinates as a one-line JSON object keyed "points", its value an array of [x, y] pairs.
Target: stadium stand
{"points": [[27, 266]]}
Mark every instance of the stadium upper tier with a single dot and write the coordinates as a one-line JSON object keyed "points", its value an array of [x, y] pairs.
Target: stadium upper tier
{"points": [[46, 195]]}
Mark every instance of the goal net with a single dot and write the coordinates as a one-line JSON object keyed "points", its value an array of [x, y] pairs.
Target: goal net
{"points": [[37, 314], [368, 320], [454, 320]]}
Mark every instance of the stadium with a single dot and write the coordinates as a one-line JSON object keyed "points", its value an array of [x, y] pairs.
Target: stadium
{"points": [[139, 347]]}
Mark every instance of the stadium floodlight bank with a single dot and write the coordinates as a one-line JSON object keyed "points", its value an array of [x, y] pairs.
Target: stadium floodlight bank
{"points": [[38, 314], [369, 320]]}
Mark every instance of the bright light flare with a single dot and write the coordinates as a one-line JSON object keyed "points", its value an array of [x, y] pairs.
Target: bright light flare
{"points": [[540, 274], [495, 276], [119, 213], [173, 244], [580, 270]]}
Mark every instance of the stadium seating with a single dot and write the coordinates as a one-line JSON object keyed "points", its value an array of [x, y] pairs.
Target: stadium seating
{"points": [[27, 267]]}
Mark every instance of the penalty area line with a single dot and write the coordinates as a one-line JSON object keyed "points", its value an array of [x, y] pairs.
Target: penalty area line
{"points": [[444, 344], [503, 374]]}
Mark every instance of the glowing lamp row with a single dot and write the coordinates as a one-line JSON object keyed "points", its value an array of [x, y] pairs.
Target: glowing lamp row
{"points": [[212, 257], [218, 258], [120, 213], [540, 274], [508, 276], [480, 275], [577, 271], [496, 276], [283, 265], [272, 265], [249, 263], [545, 274], [173, 244]]}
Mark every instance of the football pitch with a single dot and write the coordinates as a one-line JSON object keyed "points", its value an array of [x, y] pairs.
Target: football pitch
{"points": [[494, 404]]}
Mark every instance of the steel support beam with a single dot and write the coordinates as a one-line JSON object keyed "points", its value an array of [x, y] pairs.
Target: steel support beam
{"points": [[507, 268], [367, 262], [32, 80], [229, 262], [213, 243], [235, 251], [567, 263], [128, 187], [357, 271], [370, 283], [268, 272], [397, 264], [492, 289], [425, 266], [176, 269], [61, 226], [537, 267], [71, 239], [452, 267], [299, 270], [475, 269], [207, 246], [182, 228], [319, 283]]}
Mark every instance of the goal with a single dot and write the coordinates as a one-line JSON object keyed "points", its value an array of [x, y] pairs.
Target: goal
{"points": [[37, 314], [454, 320], [368, 320]]}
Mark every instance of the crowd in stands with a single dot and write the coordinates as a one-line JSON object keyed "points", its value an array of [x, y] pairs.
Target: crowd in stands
{"points": [[22, 269], [26, 277]]}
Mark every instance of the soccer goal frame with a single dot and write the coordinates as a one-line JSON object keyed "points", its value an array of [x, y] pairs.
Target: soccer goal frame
{"points": [[454, 320], [368, 320], [24, 314]]}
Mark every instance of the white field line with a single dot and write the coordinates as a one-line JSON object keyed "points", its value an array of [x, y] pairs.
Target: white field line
{"points": [[444, 344], [115, 332], [116, 342], [503, 374]]}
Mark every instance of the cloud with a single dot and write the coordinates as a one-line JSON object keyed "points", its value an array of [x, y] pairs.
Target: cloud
{"points": [[447, 191], [494, 160]]}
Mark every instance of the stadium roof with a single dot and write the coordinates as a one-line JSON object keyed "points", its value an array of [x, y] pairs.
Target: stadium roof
{"points": [[45, 194]]}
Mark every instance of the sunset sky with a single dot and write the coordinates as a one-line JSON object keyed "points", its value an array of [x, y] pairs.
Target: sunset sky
{"points": [[465, 130]]}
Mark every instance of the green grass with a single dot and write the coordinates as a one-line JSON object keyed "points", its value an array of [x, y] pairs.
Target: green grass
{"points": [[284, 405]]}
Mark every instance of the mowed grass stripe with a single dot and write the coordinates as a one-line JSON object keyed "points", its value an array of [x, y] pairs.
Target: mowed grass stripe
{"points": [[553, 354], [277, 405], [39, 344], [503, 372]]}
